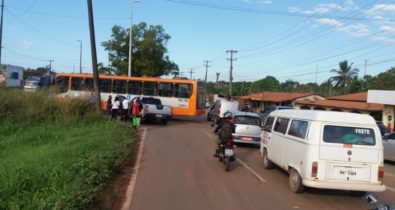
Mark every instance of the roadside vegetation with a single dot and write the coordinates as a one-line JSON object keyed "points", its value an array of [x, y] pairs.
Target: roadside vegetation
{"points": [[56, 154]]}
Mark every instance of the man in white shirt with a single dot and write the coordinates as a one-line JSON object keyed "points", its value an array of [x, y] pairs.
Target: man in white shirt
{"points": [[125, 109], [114, 108]]}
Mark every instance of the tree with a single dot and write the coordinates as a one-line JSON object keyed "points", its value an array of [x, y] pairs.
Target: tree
{"points": [[289, 85], [269, 83], [149, 53], [344, 74], [105, 70]]}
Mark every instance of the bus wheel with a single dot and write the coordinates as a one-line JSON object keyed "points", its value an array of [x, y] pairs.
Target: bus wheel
{"points": [[266, 162], [295, 181]]}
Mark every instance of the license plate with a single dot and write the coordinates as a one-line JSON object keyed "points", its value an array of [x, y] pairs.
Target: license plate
{"points": [[228, 152], [158, 115], [247, 138], [351, 173]]}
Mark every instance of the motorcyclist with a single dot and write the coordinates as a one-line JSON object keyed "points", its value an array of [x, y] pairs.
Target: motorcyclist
{"points": [[224, 130]]}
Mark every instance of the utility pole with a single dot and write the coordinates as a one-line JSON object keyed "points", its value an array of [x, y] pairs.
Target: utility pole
{"points": [[94, 56], [190, 72], [80, 55], [216, 81], [231, 59], [50, 64], [366, 66], [131, 40], [205, 80], [206, 65], [1, 29]]}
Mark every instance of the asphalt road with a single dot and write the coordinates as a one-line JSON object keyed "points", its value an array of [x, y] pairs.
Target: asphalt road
{"points": [[177, 171]]}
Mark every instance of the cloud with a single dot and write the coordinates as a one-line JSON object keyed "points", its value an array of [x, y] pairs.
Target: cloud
{"points": [[359, 30], [329, 22], [325, 8], [381, 8], [387, 29], [27, 44], [265, 1], [384, 40]]}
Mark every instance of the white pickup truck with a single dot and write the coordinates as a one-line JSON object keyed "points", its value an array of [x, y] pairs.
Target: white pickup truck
{"points": [[152, 109]]}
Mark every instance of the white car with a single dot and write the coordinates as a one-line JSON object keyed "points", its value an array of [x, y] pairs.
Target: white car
{"points": [[389, 147], [248, 128], [31, 86]]}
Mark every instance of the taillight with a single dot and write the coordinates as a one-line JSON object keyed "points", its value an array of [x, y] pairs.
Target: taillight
{"points": [[146, 108], [381, 173], [233, 120], [229, 143], [314, 169]]}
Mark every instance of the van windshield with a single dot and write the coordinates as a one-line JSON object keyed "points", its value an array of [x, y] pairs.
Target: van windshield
{"points": [[348, 135]]}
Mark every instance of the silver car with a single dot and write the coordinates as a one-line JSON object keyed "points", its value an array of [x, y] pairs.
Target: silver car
{"points": [[389, 147], [248, 128]]}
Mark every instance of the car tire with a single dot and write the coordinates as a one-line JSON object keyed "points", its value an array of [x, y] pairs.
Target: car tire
{"points": [[268, 164], [295, 181]]}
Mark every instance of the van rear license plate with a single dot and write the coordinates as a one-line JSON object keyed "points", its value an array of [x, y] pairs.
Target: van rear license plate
{"points": [[158, 115], [351, 173]]}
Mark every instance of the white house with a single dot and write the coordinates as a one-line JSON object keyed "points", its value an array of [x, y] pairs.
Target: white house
{"points": [[13, 75], [387, 98]]}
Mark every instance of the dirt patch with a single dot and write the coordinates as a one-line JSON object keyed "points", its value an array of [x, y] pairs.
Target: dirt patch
{"points": [[114, 193]]}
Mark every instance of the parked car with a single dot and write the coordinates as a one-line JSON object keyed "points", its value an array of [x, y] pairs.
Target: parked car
{"points": [[153, 110], [31, 85], [383, 129], [265, 112], [248, 128], [389, 146]]}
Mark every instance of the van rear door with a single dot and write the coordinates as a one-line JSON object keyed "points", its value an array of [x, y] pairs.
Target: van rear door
{"points": [[349, 152]]}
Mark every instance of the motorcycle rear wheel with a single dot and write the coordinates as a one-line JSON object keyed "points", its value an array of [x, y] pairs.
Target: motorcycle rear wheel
{"points": [[227, 163]]}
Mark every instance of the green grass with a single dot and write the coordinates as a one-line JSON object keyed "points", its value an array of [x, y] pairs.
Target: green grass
{"points": [[56, 155]]}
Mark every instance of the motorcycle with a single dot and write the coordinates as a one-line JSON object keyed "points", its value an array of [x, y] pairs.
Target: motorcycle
{"points": [[225, 154]]}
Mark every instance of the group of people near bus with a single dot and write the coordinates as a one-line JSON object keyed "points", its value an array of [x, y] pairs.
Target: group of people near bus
{"points": [[123, 107]]}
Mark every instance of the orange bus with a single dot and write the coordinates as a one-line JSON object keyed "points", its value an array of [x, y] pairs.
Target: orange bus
{"points": [[186, 97]]}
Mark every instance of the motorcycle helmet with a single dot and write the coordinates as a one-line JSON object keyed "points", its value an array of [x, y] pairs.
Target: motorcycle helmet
{"points": [[228, 115]]}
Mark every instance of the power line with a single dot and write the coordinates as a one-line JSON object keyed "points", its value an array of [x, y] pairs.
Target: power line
{"points": [[191, 72], [268, 12]]}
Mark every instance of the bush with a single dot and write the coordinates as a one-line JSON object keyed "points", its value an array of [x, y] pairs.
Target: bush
{"points": [[56, 155]]}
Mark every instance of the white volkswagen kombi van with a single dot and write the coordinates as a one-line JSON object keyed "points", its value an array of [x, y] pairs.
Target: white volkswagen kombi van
{"points": [[324, 149]]}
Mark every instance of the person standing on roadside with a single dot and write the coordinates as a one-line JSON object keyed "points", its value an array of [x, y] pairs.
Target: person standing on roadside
{"points": [[109, 105], [136, 113], [125, 109], [114, 108]]}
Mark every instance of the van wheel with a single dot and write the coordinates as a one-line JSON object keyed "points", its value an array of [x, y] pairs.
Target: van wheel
{"points": [[295, 181], [266, 162]]}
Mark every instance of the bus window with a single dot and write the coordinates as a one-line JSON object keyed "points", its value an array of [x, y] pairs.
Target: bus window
{"points": [[105, 85], [76, 83], [134, 87], [88, 84], [149, 88], [62, 84], [166, 89], [119, 86], [183, 90]]}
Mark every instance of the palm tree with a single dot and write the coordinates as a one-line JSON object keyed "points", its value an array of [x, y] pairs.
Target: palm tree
{"points": [[345, 73]]}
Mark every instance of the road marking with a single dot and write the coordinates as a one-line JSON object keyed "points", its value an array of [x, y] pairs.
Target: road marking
{"points": [[209, 134], [388, 174], [390, 188], [251, 171], [129, 193]]}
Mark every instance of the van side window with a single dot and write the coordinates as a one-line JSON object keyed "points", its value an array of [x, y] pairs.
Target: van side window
{"points": [[281, 125], [348, 135], [268, 124], [298, 128]]}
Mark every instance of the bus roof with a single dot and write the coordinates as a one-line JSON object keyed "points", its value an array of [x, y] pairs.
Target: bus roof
{"points": [[143, 78], [328, 116]]}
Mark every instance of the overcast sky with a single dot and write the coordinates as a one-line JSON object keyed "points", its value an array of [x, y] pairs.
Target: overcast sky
{"points": [[300, 40]]}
